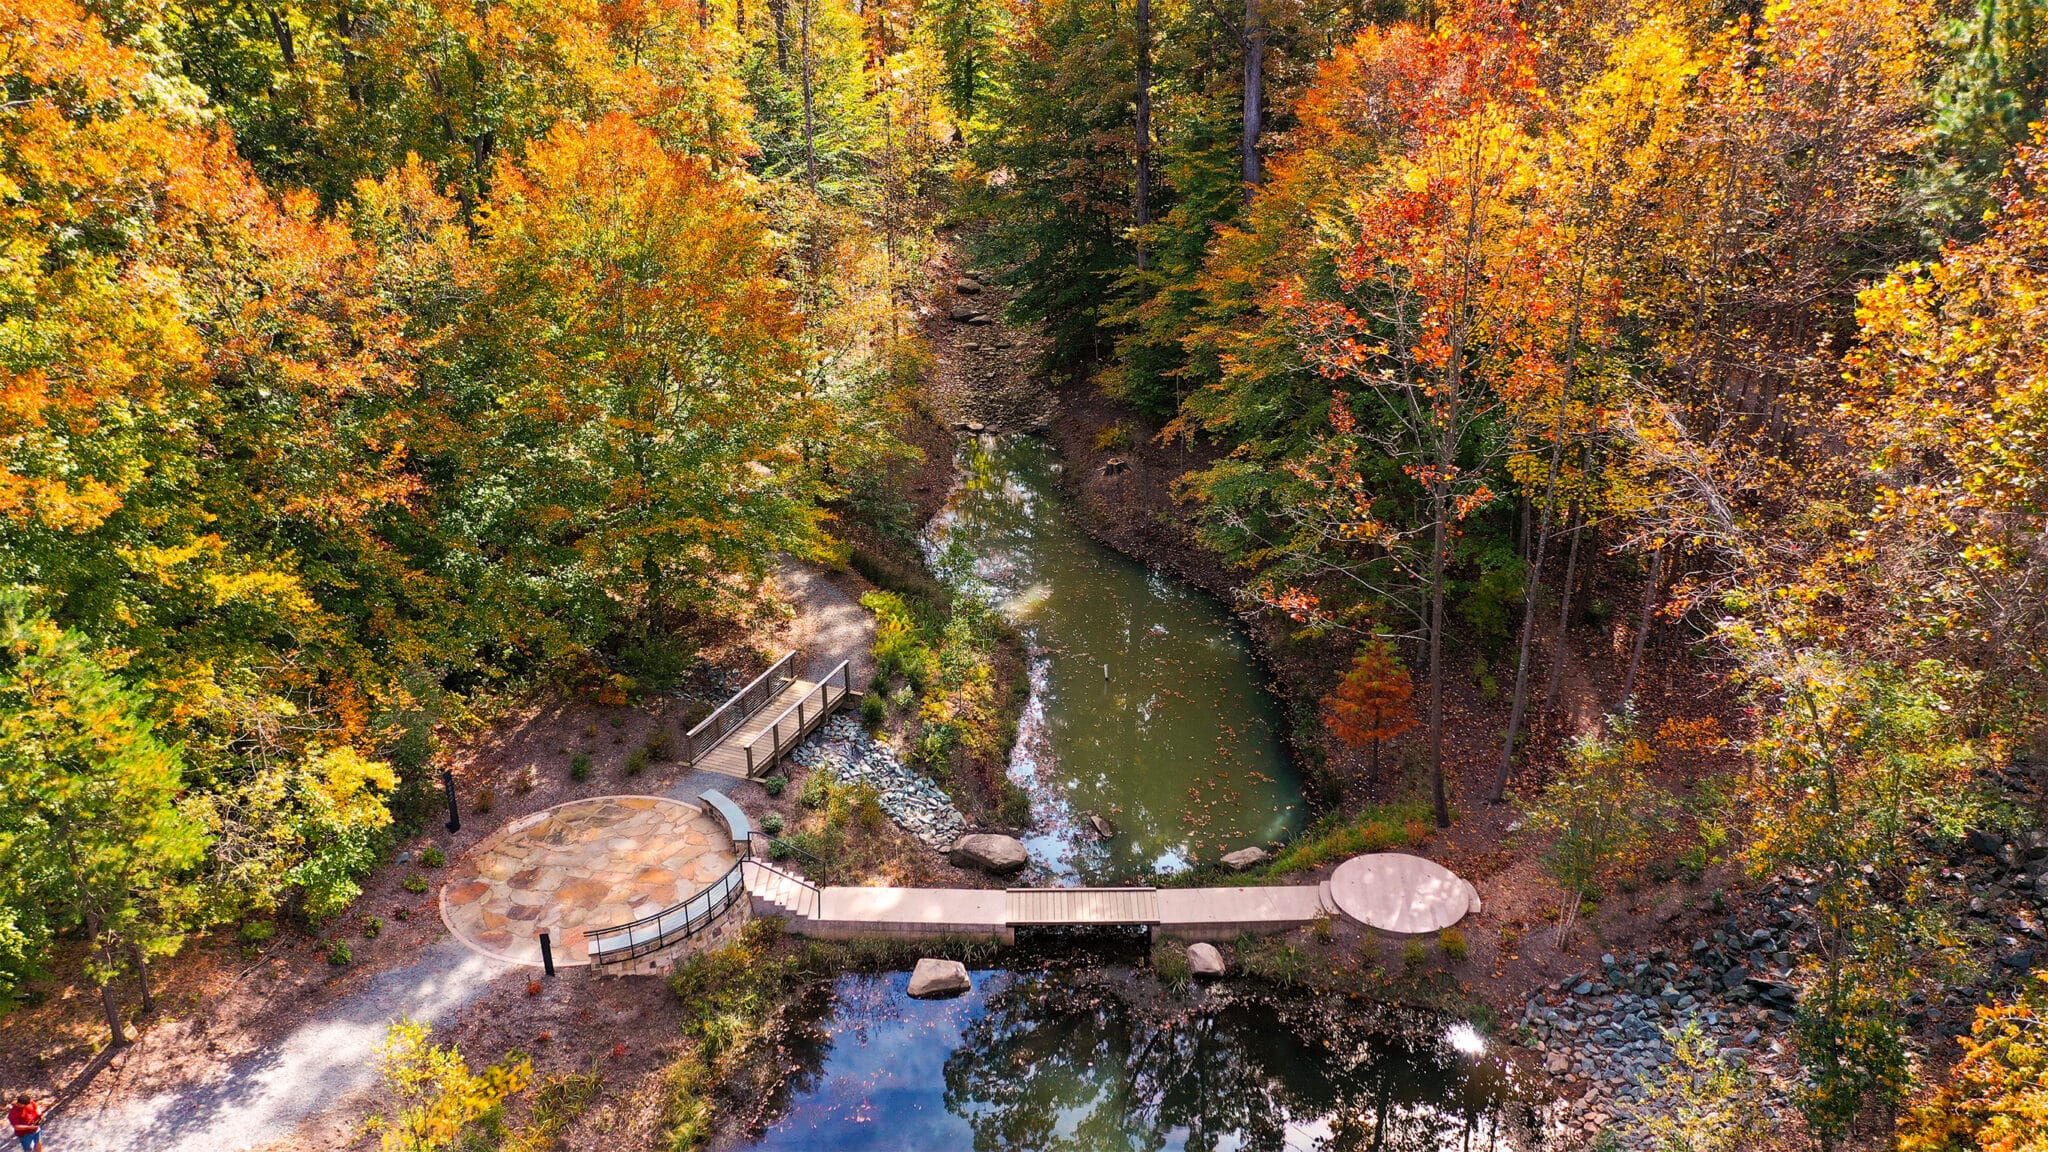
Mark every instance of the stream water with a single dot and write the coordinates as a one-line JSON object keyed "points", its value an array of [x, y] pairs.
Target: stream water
{"points": [[1147, 708], [1058, 1062]]}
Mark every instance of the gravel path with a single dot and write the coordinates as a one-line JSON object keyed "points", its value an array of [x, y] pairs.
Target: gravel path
{"points": [[261, 1099], [831, 625]]}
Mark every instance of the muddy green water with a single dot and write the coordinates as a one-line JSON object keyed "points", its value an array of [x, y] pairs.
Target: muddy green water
{"points": [[1042, 1062], [1146, 708]]}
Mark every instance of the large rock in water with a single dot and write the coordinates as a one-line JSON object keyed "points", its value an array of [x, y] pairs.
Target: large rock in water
{"points": [[932, 979], [1245, 858], [1205, 960], [989, 852]]}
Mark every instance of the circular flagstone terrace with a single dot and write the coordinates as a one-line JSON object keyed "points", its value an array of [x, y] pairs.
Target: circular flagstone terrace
{"points": [[1403, 894], [585, 864]]}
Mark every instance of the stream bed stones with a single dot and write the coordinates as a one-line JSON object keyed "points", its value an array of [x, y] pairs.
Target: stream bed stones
{"points": [[918, 806]]}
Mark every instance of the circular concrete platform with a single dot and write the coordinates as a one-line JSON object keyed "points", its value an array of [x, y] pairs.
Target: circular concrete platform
{"points": [[584, 864], [1395, 892]]}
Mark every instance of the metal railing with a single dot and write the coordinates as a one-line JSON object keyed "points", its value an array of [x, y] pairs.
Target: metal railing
{"points": [[777, 843], [816, 895], [797, 720], [734, 712], [658, 931]]}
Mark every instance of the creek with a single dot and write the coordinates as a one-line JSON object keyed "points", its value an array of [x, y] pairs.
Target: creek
{"points": [[1147, 707]]}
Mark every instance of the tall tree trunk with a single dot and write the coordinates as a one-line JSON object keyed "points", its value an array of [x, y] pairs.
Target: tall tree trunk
{"points": [[141, 963], [780, 10], [1635, 657], [1143, 211], [1439, 541], [1520, 706], [810, 136], [739, 18], [286, 45], [1254, 92], [1555, 684]]}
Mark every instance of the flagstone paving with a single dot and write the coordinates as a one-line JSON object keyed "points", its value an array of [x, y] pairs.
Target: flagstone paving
{"points": [[584, 864]]}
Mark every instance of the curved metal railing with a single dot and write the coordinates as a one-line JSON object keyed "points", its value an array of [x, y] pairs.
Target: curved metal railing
{"points": [[663, 928]]}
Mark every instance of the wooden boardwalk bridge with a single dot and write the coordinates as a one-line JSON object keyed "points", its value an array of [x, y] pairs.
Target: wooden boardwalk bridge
{"points": [[750, 733]]}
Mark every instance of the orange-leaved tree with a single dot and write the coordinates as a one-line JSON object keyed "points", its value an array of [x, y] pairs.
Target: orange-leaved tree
{"points": [[1373, 703]]}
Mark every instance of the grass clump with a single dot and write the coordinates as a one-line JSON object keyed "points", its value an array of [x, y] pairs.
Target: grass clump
{"points": [[730, 999], [1413, 955], [579, 766], [1452, 944], [1402, 824], [1113, 438], [636, 761], [557, 1103]]}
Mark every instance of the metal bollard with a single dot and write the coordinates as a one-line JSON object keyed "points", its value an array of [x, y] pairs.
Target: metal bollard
{"points": [[547, 955], [454, 817]]}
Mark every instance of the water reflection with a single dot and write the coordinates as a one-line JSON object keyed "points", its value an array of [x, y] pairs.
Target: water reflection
{"points": [[1099, 1062], [1146, 707]]}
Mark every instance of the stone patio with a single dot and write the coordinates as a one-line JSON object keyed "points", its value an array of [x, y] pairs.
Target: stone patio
{"points": [[582, 865]]}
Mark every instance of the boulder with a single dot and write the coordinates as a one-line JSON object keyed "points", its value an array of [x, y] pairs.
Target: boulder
{"points": [[1205, 960], [1103, 828], [1245, 858], [933, 979], [967, 286], [1984, 842], [966, 314], [989, 852]]}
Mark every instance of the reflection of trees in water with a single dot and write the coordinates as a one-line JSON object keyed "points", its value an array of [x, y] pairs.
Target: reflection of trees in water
{"points": [[1051, 1068]]}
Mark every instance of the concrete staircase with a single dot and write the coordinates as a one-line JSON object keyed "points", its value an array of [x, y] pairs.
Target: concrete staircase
{"points": [[779, 890]]}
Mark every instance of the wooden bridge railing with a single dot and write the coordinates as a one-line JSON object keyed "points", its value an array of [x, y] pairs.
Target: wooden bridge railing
{"points": [[787, 730], [734, 712]]}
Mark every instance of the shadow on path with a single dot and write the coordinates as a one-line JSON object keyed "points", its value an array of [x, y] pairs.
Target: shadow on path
{"points": [[264, 1096]]}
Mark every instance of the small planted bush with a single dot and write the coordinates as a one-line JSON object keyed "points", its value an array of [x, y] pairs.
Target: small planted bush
{"points": [[338, 953], [579, 766], [433, 857], [372, 928], [636, 761], [486, 799], [772, 823], [1452, 943], [1413, 955], [661, 746], [415, 883], [256, 931], [873, 710], [774, 785]]}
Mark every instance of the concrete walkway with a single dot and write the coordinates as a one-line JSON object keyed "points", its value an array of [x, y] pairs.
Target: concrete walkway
{"points": [[1388, 891]]}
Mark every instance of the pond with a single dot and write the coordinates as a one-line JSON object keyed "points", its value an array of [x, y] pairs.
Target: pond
{"points": [[1147, 707], [1109, 1061]]}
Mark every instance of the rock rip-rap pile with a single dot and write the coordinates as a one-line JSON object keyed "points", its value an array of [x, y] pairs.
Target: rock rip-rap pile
{"points": [[918, 806]]}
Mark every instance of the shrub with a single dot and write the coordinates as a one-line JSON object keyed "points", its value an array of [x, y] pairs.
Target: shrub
{"points": [[774, 785], [338, 953], [636, 761], [816, 790], [1413, 954], [661, 746], [372, 928], [433, 857], [1332, 838], [256, 931], [415, 883], [1322, 928], [1452, 943], [579, 766], [1113, 438], [873, 710], [527, 780], [772, 824], [486, 798]]}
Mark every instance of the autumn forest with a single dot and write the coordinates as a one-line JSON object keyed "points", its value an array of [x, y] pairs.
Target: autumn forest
{"points": [[371, 367]]}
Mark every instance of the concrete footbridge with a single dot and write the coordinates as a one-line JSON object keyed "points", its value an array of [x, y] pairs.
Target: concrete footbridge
{"points": [[1392, 892]]}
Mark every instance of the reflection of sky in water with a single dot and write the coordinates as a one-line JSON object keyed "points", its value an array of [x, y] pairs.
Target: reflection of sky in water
{"points": [[1146, 705], [1028, 1062]]}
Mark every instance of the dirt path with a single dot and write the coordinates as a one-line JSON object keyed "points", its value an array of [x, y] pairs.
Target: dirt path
{"points": [[261, 1099], [830, 623]]}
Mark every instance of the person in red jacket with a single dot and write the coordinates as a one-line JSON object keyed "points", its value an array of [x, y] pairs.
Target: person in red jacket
{"points": [[27, 1120]]}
